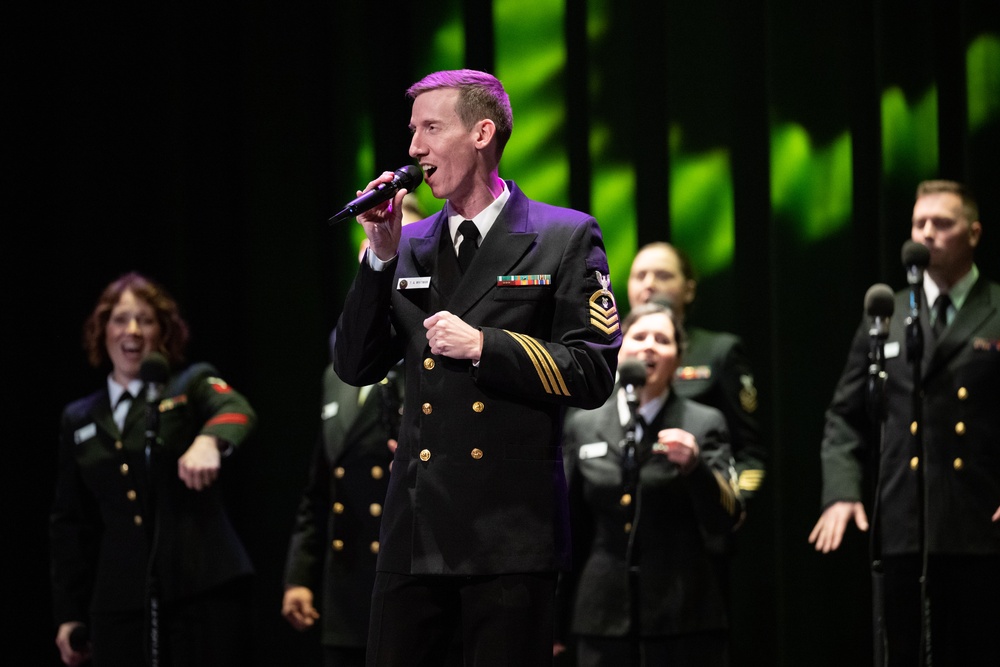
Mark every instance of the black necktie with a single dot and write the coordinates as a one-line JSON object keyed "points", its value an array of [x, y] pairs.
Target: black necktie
{"points": [[940, 315], [467, 250], [122, 408]]}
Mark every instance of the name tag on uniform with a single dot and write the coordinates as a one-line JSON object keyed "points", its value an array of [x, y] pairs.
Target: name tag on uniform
{"points": [[892, 350], [419, 282], [331, 410], [593, 450], [85, 433]]}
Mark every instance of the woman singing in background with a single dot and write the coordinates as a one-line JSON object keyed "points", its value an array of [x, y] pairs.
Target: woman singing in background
{"points": [[146, 566], [649, 543]]}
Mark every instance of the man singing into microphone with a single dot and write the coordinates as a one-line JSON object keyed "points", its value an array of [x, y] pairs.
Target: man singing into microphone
{"points": [[951, 446], [502, 310]]}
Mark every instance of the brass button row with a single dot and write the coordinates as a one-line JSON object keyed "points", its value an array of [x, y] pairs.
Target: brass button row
{"points": [[427, 408], [959, 428], [476, 453], [377, 472], [374, 509], [957, 464], [338, 545]]}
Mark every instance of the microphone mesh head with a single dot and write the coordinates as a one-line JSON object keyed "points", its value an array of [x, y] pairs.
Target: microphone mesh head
{"points": [[154, 369], [632, 372], [879, 300], [915, 254], [409, 177]]}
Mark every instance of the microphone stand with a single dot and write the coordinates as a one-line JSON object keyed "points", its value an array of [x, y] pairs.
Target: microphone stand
{"points": [[630, 480], [877, 411], [152, 392], [914, 355]]}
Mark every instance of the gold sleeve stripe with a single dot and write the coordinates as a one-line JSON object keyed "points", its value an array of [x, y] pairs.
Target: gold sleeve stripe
{"points": [[727, 495], [548, 373], [750, 480]]}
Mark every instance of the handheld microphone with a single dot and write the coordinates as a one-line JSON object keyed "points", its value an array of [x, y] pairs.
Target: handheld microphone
{"points": [[915, 258], [405, 178]]}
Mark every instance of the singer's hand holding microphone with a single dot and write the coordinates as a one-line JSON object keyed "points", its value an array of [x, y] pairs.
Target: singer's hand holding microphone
{"points": [[379, 209]]}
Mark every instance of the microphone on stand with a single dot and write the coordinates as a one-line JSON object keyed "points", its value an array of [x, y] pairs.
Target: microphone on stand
{"points": [[154, 372], [879, 304], [915, 257], [632, 374]]}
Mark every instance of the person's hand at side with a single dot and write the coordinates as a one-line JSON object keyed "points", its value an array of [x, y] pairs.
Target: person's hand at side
{"points": [[297, 607], [67, 653], [199, 466], [829, 530]]}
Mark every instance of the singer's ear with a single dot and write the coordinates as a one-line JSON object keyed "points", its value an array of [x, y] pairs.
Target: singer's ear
{"points": [[484, 131], [975, 233]]}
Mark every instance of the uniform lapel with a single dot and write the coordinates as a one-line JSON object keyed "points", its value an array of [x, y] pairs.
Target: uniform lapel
{"points": [[505, 244], [101, 414], [976, 310]]}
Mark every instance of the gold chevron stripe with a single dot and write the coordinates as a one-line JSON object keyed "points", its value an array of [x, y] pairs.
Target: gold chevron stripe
{"points": [[548, 373], [601, 318], [750, 480]]}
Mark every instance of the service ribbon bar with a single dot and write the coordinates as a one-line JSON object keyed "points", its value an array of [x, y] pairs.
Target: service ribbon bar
{"points": [[537, 279]]}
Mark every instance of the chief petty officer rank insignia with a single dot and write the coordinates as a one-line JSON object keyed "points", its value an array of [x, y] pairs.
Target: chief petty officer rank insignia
{"points": [[603, 311]]}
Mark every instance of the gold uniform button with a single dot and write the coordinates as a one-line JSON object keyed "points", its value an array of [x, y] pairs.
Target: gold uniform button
{"points": [[137, 520], [338, 545], [429, 364], [118, 445], [958, 464], [963, 393], [914, 463], [338, 508], [626, 499], [377, 472], [124, 468], [628, 527], [476, 453], [478, 406], [131, 495], [913, 428], [375, 509], [960, 428], [338, 472], [425, 455], [426, 407], [374, 547]]}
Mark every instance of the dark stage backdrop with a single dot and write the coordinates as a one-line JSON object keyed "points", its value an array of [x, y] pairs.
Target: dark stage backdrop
{"points": [[779, 142]]}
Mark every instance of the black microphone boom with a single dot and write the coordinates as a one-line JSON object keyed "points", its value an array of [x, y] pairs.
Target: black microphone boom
{"points": [[405, 178]]}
